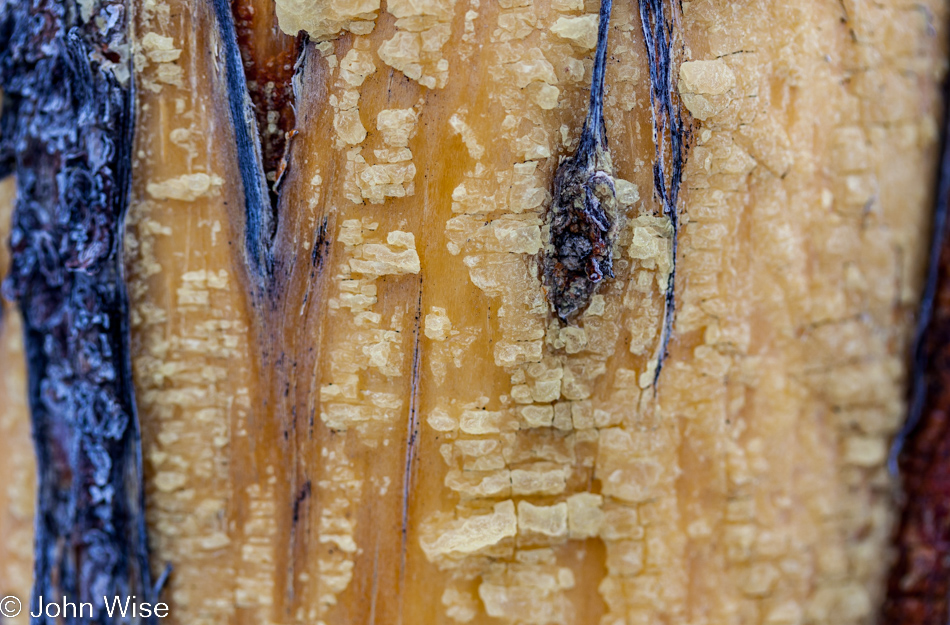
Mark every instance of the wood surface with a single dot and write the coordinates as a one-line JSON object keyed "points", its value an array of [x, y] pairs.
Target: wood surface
{"points": [[383, 421]]}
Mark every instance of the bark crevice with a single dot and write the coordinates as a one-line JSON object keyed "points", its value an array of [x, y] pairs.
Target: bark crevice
{"points": [[258, 83]]}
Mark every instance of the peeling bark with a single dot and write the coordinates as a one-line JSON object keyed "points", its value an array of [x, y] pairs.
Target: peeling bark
{"points": [[67, 126]]}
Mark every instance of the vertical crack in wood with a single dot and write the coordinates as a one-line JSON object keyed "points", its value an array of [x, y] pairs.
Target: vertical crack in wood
{"points": [[269, 58], [273, 61], [260, 220], [67, 134], [412, 436], [670, 136]]}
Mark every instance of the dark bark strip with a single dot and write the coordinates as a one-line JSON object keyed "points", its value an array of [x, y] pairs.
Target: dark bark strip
{"points": [[919, 582], [67, 134], [260, 219], [670, 135], [260, 63], [582, 219]]}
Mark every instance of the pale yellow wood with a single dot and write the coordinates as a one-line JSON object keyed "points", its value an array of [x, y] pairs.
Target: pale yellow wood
{"points": [[17, 464]]}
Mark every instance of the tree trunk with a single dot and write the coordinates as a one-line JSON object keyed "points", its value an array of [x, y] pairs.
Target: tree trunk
{"points": [[383, 372]]}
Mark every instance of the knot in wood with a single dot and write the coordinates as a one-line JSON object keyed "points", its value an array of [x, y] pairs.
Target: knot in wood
{"points": [[582, 230]]}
